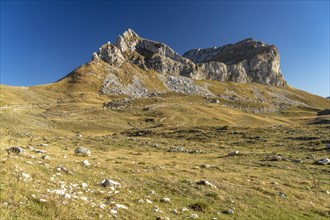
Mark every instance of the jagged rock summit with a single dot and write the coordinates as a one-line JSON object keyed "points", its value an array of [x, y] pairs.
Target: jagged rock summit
{"points": [[245, 61]]}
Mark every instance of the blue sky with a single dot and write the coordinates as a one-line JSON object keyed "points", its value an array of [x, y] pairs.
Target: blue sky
{"points": [[42, 41]]}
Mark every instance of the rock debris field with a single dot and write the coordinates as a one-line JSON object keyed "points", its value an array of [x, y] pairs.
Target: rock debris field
{"points": [[201, 181]]}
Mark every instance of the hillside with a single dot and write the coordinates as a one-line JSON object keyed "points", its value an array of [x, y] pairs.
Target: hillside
{"points": [[221, 136], [171, 100]]}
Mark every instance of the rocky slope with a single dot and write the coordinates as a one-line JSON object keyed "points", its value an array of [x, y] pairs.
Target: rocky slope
{"points": [[245, 61]]}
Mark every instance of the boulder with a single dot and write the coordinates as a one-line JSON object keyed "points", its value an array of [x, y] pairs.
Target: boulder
{"points": [[323, 161], [274, 157], [110, 183], [15, 150], [86, 163], [205, 183], [229, 211], [235, 153], [193, 216], [82, 151], [165, 200]]}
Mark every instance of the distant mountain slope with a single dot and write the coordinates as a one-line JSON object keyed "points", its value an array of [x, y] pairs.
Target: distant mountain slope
{"points": [[132, 84]]}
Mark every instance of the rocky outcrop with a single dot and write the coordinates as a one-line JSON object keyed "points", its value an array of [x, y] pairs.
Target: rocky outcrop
{"points": [[245, 61], [148, 54], [110, 54]]}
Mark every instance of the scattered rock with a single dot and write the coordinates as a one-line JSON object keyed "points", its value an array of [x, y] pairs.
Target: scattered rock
{"points": [[296, 161], [148, 201], [274, 157], [45, 157], [111, 183], [82, 151], [43, 200], [119, 206], [323, 161], [282, 195], [84, 185], [229, 211], [174, 211], [64, 169], [118, 104], [38, 151], [325, 191], [84, 198], [205, 166], [67, 196], [25, 176], [15, 150], [102, 206], [78, 136], [86, 163], [42, 145], [205, 183], [235, 153], [193, 216], [185, 85], [156, 209], [113, 211], [57, 191], [184, 209], [166, 200], [184, 150]]}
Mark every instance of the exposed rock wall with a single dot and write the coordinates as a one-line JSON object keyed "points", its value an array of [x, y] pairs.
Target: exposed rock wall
{"points": [[245, 61]]}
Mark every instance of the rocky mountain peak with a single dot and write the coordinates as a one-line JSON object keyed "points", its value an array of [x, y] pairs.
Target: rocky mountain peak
{"points": [[245, 61], [127, 41], [129, 33], [230, 53]]}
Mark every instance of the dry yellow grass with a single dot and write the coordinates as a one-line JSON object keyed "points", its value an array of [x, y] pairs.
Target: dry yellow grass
{"points": [[130, 145]]}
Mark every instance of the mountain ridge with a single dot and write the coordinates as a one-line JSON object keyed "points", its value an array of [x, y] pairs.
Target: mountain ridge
{"points": [[245, 61], [121, 78]]}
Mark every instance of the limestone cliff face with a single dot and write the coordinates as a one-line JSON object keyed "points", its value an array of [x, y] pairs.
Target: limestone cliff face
{"points": [[245, 61]]}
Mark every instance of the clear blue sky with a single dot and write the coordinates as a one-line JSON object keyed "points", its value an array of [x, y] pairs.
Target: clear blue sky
{"points": [[43, 41]]}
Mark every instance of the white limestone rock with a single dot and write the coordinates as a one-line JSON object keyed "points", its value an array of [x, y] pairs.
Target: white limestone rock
{"points": [[15, 150], [244, 61], [205, 183], [86, 163], [111, 54], [82, 151], [323, 161], [165, 200], [109, 183]]}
